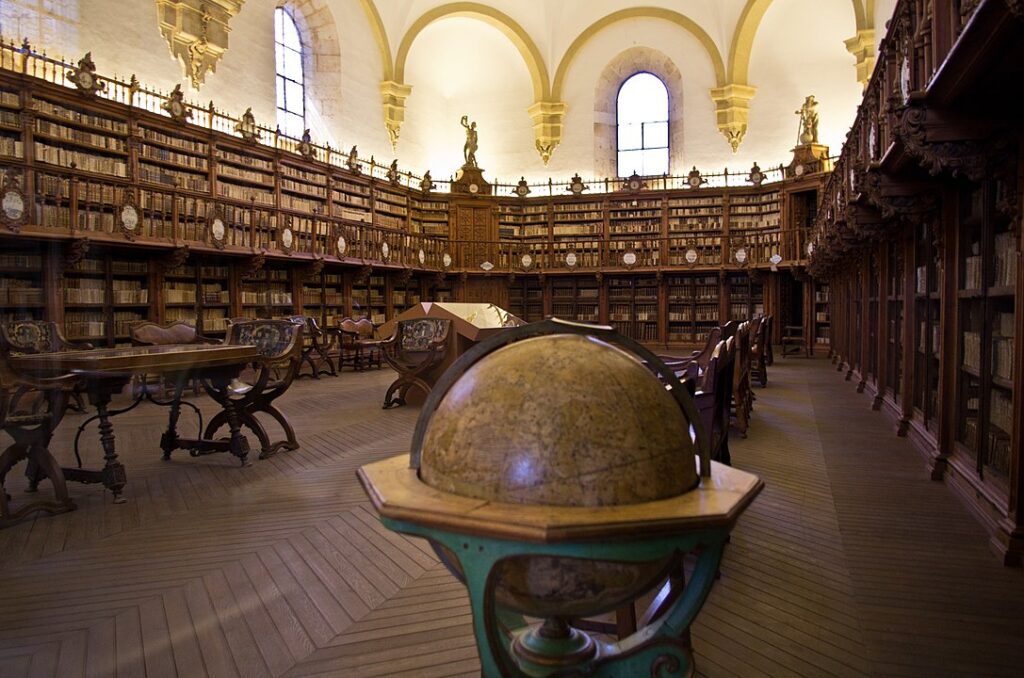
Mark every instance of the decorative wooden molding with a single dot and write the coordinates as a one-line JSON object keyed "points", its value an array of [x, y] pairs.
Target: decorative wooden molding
{"points": [[254, 264], [312, 269], [75, 251], [196, 32], [176, 107], [174, 258], [404, 276], [128, 220], [968, 158], [306, 145], [15, 206], [362, 274], [247, 127], [84, 76]]}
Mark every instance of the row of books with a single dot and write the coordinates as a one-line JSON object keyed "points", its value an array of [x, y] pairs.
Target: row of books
{"points": [[98, 164], [47, 108], [191, 145], [237, 192], [84, 325], [306, 189], [247, 160], [19, 260], [123, 321], [196, 162], [13, 293], [99, 141], [11, 147]]}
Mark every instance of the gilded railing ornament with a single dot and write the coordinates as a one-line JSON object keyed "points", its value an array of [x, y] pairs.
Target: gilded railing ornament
{"points": [[247, 127], [306, 145], [84, 76], [175, 105]]}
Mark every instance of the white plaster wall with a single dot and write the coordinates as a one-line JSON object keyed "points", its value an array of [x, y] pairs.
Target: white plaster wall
{"points": [[799, 51], [462, 67], [703, 145]]}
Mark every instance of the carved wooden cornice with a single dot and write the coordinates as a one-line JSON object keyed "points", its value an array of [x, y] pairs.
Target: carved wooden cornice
{"points": [[362, 274], [967, 158], [901, 201], [75, 251], [174, 258], [312, 269], [254, 264], [196, 32]]}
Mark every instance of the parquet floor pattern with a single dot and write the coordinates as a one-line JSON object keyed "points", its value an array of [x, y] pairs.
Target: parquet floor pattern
{"points": [[850, 563]]}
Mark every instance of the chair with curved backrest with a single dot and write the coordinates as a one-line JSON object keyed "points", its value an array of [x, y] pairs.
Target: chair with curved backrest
{"points": [[358, 347], [147, 333], [417, 346], [316, 345], [43, 336], [30, 410], [713, 396], [695, 363], [280, 346]]}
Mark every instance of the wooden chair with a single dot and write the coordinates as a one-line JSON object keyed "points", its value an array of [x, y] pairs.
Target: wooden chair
{"points": [[43, 336], [316, 345], [280, 345], [417, 346], [741, 379], [760, 348], [359, 349], [713, 398], [697, 361], [30, 411], [147, 333]]}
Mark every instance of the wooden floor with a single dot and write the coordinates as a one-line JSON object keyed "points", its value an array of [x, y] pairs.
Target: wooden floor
{"points": [[850, 563]]}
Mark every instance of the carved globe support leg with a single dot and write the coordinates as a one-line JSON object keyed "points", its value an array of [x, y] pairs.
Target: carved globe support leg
{"points": [[509, 646]]}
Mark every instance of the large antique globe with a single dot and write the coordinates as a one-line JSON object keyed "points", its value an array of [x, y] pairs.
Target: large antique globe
{"points": [[561, 420]]}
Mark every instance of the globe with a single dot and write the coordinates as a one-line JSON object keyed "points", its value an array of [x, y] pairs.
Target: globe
{"points": [[561, 420]]}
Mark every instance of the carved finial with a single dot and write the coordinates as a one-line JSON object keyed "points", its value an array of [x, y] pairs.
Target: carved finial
{"points": [[393, 171], [353, 161], [306, 145], [427, 183], [175, 105], [84, 76], [756, 176], [247, 126]]}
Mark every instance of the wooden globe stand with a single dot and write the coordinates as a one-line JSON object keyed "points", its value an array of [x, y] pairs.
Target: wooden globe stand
{"points": [[477, 537]]}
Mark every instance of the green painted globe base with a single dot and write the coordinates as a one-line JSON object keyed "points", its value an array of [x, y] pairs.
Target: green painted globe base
{"points": [[552, 646]]}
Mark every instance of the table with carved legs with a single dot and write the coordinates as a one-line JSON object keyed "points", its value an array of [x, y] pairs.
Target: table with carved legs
{"points": [[105, 373]]}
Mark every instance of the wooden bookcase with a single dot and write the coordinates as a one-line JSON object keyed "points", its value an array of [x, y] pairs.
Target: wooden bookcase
{"points": [[22, 284]]}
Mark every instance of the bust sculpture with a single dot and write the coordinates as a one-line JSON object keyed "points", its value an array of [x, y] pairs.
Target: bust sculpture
{"points": [[808, 121], [469, 150]]}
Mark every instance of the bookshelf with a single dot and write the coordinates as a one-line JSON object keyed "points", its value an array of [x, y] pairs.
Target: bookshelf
{"points": [[510, 221], [168, 160], [526, 299], [576, 298], [129, 294], [404, 294], [334, 306], [894, 320], [12, 145], [390, 209], [22, 287], [429, 216], [754, 211], [85, 300], [214, 296], [577, 220], [986, 327], [244, 176], [927, 316], [441, 291], [180, 294], [66, 135], [266, 293], [746, 297], [302, 190], [633, 306], [634, 217], [821, 321], [369, 299], [350, 200]]}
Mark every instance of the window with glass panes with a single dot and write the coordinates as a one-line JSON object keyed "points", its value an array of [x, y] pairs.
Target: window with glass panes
{"points": [[291, 94], [642, 119]]}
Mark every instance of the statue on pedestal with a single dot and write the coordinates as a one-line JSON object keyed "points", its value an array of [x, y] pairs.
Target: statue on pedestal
{"points": [[808, 121], [469, 150]]}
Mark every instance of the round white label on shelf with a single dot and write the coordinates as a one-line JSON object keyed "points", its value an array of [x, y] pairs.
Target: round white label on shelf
{"points": [[691, 256], [217, 229], [487, 265], [446, 260], [570, 259], [775, 259], [422, 256], [287, 237], [129, 217], [342, 245], [385, 251], [629, 258], [741, 255], [810, 248], [526, 260], [13, 205]]}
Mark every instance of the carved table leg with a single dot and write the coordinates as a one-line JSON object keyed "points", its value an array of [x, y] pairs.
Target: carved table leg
{"points": [[239, 445], [114, 477], [169, 440]]}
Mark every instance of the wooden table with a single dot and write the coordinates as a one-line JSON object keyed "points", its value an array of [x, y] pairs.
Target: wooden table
{"points": [[105, 372]]}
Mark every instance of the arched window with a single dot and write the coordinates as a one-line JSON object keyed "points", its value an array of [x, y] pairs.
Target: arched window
{"points": [[642, 119], [291, 90]]}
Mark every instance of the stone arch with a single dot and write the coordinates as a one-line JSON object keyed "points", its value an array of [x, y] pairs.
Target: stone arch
{"points": [[380, 35], [321, 59], [681, 20], [504, 23], [621, 67], [743, 39]]}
